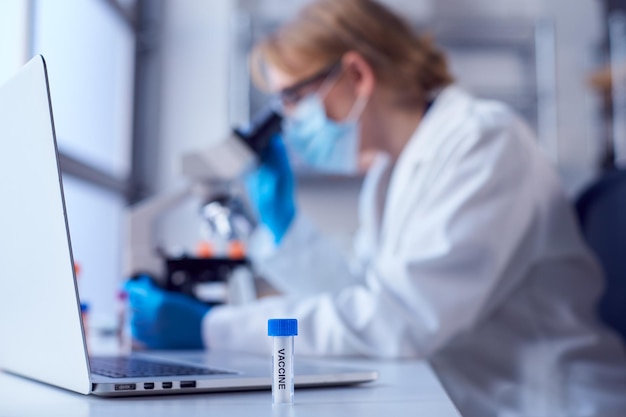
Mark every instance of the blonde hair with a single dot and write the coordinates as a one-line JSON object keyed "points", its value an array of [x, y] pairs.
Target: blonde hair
{"points": [[325, 30]]}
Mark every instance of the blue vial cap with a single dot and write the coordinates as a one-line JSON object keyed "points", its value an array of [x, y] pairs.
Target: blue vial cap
{"points": [[282, 327]]}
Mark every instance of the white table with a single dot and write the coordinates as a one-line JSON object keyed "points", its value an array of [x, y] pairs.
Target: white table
{"points": [[403, 389]]}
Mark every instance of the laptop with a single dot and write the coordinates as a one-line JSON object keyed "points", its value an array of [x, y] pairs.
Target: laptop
{"points": [[40, 321]]}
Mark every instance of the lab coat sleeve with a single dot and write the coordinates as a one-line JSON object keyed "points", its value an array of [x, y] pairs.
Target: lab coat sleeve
{"points": [[462, 236], [306, 262]]}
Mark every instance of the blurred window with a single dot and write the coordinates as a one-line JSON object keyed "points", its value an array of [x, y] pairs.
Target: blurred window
{"points": [[13, 36], [89, 52], [89, 48]]}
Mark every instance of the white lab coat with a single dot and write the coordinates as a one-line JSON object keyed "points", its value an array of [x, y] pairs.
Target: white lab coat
{"points": [[468, 255]]}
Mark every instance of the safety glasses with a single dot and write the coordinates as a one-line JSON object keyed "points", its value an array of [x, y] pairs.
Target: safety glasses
{"points": [[290, 96]]}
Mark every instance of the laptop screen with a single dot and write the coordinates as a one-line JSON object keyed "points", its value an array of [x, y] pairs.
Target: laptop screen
{"points": [[40, 322]]}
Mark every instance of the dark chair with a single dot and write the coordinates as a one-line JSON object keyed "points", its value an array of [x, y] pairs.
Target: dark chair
{"points": [[602, 213]]}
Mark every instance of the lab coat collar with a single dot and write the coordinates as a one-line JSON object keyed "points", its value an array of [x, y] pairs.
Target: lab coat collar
{"points": [[447, 113], [441, 120], [449, 106]]}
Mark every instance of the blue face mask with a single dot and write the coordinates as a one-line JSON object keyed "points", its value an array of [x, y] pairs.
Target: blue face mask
{"points": [[326, 145]]}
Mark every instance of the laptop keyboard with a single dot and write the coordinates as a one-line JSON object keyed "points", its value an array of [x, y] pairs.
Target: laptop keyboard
{"points": [[128, 367]]}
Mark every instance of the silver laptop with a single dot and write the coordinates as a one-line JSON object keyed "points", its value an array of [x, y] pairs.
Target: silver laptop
{"points": [[40, 323]]}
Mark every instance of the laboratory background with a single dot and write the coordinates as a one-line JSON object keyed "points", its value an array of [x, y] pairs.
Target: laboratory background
{"points": [[137, 85]]}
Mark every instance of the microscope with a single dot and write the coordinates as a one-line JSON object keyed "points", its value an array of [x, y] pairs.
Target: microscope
{"points": [[213, 175]]}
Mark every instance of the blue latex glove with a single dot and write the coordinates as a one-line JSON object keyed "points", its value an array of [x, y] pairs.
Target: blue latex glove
{"points": [[271, 189], [162, 319]]}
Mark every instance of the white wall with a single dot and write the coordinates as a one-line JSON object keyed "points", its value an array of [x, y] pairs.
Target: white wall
{"points": [[13, 37], [194, 107]]}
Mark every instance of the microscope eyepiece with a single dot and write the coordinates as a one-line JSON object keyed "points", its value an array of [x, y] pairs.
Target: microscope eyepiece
{"points": [[263, 127]]}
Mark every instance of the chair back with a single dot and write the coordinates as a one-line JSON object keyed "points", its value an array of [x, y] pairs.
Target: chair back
{"points": [[602, 214]]}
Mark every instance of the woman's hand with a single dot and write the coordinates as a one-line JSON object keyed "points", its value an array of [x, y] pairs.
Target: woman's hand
{"points": [[162, 319], [271, 189]]}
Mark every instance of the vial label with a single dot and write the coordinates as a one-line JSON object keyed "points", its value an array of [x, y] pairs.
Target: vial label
{"points": [[282, 387]]}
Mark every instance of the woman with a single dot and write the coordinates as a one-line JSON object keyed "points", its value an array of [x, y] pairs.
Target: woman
{"points": [[467, 255]]}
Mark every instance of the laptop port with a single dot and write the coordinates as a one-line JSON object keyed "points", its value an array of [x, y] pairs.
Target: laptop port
{"points": [[187, 384], [148, 385], [166, 385], [125, 387]]}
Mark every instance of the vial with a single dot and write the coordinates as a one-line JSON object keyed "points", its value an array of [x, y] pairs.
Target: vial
{"points": [[122, 330], [282, 331]]}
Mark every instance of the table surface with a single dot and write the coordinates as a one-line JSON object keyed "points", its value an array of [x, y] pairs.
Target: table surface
{"points": [[404, 388]]}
